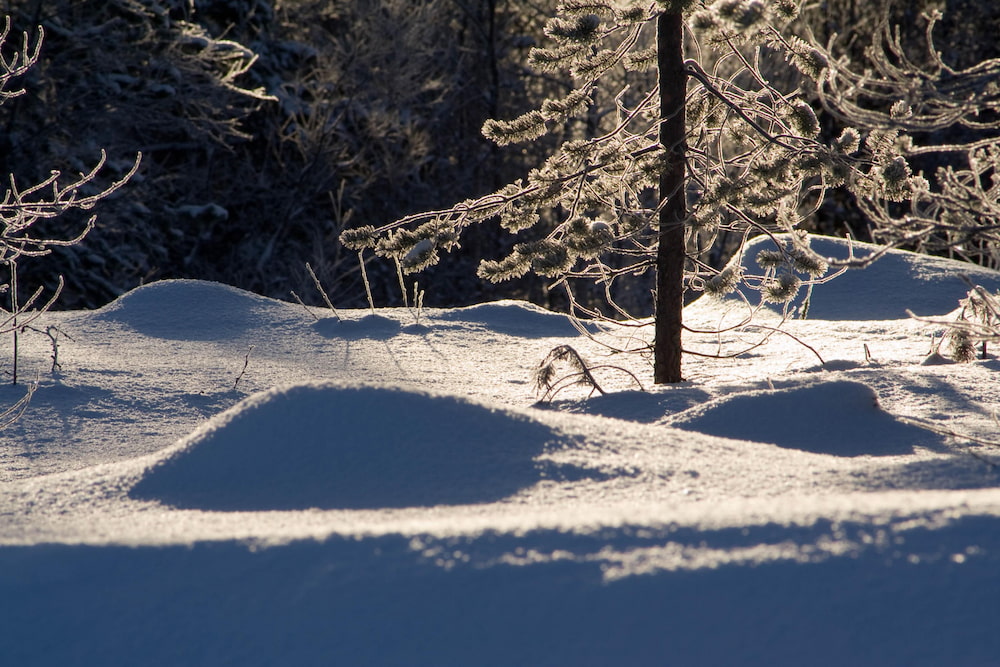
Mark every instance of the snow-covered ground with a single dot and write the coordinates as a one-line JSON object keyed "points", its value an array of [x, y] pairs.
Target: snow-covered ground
{"points": [[216, 478]]}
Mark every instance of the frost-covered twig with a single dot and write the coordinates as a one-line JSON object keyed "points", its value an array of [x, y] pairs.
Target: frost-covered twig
{"points": [[22, 207], [18, 62], [549, 383], [246, 362], [51, 331], [14, 412], [319, 288], [299, 300], [546, 380]]}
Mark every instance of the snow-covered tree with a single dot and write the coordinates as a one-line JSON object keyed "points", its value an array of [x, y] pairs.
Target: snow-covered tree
{"points": [[711, 148], [723, 143]]}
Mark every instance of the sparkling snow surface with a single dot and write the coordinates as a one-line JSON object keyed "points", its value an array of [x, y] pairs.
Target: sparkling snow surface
{"points": [[384, 491]]}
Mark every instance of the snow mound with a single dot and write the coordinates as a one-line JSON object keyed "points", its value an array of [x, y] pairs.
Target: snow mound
{"points": [[885, 290], [513, 318], [842, 418], [332, 446], [189, 310]]}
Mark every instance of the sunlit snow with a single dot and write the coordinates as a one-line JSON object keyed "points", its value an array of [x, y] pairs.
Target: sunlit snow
{"points": [[211, 477]]}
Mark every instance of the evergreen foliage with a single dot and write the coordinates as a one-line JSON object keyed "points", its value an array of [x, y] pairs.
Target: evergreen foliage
{"points": [[268, 128]]}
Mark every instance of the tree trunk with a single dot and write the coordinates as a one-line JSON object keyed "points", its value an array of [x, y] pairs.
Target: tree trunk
{"points": [[670, 254]]}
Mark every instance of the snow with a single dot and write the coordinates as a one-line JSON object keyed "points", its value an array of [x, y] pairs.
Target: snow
{"points": [[212, 477], [851, 422]]}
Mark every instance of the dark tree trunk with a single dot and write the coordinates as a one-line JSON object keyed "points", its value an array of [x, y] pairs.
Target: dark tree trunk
{"points": [[670, 255]]}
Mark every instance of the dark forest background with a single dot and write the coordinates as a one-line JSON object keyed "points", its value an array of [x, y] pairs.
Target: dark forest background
{"points": [[268, 126]]}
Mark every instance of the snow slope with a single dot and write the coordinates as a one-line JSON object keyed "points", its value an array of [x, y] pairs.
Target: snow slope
{"points": [[211, 477]]}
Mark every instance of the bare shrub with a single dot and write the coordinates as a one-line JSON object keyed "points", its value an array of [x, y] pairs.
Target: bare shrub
{"points": [[24, 210]]}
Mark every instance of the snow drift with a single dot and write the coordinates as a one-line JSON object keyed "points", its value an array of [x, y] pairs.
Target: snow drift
{"points": [[849, 421], [325, 445], [885, 290], [189, 310]]}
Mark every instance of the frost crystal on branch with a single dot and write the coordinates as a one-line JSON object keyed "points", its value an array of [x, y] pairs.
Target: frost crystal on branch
{"points": [[587, 7], [573, 104], [808, 263], [359, 237], [804, 57], [803, 119], [587, 238], [553, 60], [583, 29], [420, 256], [523, 128], [725, 282], [783, 289], [848, 142]]}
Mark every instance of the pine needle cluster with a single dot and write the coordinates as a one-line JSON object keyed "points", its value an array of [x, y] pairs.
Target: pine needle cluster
{"points": [[977, 324], [788, 267]]}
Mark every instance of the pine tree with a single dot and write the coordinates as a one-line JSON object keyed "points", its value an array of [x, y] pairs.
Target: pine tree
{"points": [[717, 146]]}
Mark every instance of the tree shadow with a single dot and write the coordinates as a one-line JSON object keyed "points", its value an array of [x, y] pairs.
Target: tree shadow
{"points": [[514, 318], [926, 600], [368, 327], [637, 406]]}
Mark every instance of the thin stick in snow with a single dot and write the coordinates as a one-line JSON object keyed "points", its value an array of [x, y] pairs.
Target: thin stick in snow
{"points": [[322, 291], [246, 362]]}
